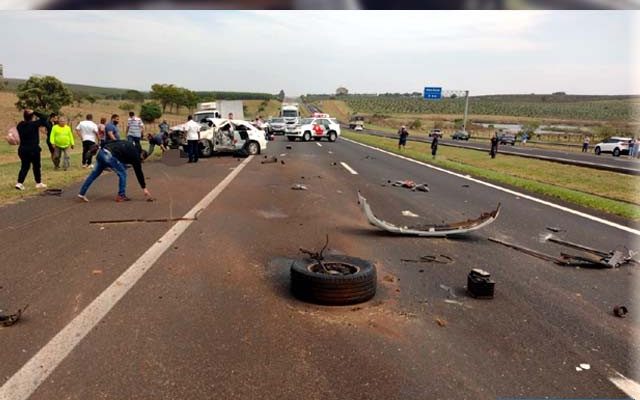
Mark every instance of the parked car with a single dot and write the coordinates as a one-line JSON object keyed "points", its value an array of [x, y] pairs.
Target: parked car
{"points": [[220, 135], [615, 145], [507, 138], [276, 126], [460, 135], [316, 128]]}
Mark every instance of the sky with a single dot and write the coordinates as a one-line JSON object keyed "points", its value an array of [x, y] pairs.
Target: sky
{"points": [[485, 52]]}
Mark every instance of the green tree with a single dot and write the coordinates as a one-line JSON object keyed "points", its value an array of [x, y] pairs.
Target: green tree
{"points": [[150, 111], [45, 94], [91, 99], [164, 93], [281, 95], [133, 95]]}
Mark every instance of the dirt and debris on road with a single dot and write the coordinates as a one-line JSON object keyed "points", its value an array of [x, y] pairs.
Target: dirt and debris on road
{"points": [[7, 320], [299, 186], [438, 259], [409, 184]]}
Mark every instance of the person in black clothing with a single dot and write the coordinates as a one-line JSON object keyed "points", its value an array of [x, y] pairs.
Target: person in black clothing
{"points": [[115, 155], [53, 119], [434, 146], [494, 145], [403, 133], [29, 149]]}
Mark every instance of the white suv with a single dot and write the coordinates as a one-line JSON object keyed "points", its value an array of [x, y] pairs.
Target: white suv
{"points": [[316, 128], [615, 145]]}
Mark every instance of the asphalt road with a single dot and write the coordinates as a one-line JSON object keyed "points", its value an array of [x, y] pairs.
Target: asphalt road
{"points": [[622, 164], [213, 317]]}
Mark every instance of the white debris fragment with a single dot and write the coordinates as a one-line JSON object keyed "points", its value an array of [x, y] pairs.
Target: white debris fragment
{"points": [[586, 367], [408, 213]]}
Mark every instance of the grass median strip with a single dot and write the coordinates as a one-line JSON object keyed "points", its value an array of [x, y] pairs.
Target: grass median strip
{"points": [[600, 190]]}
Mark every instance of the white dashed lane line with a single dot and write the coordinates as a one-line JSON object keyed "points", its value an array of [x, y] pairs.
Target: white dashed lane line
{"points": [[348, 168]]}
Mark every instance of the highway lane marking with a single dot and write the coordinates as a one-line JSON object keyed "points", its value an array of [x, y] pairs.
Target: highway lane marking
{"points": [[319, 145], [628, 386], [513, 192], [348, 168], [25, 382]]}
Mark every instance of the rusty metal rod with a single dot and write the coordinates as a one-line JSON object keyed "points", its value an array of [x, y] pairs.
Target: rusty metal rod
{"points": [[528, 251]]}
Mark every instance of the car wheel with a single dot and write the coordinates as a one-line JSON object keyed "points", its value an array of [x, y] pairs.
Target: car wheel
{"points": [[306, 137], [206, 149], [350, 280], [616, 152], [597, 151], [253, 148], [332, 136]]}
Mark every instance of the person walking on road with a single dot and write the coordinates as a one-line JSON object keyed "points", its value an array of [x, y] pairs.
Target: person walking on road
{"points": [[62, 139], [585, 144], [88, 132], [116, 155], [192, 130], [135, 129], [633, 147], [494, 145], [434, 146], [111, 130], [403, 134], [53, 119], [29, 149]]}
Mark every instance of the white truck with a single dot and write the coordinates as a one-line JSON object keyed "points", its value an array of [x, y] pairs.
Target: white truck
{"points": [[219, 109], [290, 112]]}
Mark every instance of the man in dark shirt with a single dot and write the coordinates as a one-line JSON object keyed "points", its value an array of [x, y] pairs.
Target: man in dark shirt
{"points": [[115, 155], [29, 149], [53, 119], [112, 133]]}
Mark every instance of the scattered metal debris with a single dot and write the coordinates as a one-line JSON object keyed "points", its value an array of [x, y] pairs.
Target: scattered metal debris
{"points": [[589, 258], [525, 250], [319, 257], [368, 157], [441, 322], [456, 302], [138, 220], [288, 147], [422, 187], [583, 367], [8, 320], [270, 160], [441, 259], [620, 311], [407, 213], [449, 291], [282, 162], [283, 154], [455, 228], [52, 192], [465, 185], [480, 285], [299, 186], [555, 229]]}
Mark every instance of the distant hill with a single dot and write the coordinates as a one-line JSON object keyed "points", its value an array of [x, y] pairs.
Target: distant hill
{"points": [[99, 91]]}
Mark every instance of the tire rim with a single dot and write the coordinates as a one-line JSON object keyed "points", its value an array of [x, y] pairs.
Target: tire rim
{"points": [[307, 137], [332, 137], [334, 268], [253, 148]]}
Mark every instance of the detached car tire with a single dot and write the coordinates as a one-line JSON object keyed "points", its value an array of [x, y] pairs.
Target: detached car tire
{"points": [[321, 288]]}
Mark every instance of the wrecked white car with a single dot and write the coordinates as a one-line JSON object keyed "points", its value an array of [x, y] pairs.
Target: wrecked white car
{"points": [[455, 228], [221, 135]]}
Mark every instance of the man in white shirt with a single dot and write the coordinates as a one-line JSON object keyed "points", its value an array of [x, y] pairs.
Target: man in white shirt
{"points": [[88, 132], [192, 131], [135, 129]]}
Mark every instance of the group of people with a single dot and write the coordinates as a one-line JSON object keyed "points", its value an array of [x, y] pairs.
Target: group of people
{"points": [[403, 134], [100, 140], [634, 148]]}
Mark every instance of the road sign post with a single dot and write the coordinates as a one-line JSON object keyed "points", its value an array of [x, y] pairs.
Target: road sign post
{"points": [[432, 93]]}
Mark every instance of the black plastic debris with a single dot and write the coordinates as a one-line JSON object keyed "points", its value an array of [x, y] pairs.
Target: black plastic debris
{"points": [[620, 311], [271, 160], [288, 147], [52, 192], [8, 320], [480, 285]]}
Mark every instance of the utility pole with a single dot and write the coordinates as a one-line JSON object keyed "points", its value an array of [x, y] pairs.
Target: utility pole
{"points": [[466, 110]]}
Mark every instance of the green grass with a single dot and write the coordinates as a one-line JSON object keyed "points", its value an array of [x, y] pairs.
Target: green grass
{"points": [[599, 190]]}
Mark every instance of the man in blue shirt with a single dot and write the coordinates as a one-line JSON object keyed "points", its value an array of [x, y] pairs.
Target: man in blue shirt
{"points": [[160, 139], [111, 131]]}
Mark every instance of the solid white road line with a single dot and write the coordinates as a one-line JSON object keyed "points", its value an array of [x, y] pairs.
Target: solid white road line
{"points": [[24, 382], [629, 387], [513, 192], [319, 144], [348, 168]]}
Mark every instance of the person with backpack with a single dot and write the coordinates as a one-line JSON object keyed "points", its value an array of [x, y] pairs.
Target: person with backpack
{"points": [[29, 149]]}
